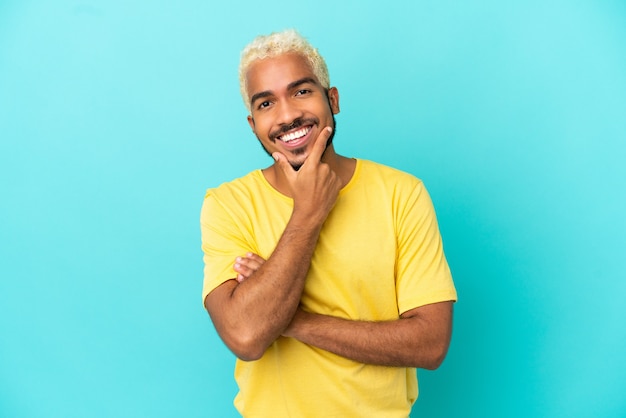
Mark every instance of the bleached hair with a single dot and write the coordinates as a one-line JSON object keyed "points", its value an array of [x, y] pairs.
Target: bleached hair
{"points": [[273, 45]]}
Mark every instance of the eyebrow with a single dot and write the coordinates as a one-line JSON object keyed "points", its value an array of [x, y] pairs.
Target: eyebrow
{"points": [[290, 86], [304, 80]]}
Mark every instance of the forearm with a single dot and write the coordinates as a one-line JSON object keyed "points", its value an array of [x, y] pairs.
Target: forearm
{"points": [[250, 315], [416, 341]]}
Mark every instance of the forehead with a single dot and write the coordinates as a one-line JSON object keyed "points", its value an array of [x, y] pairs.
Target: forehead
{"points": [[276, 73]]}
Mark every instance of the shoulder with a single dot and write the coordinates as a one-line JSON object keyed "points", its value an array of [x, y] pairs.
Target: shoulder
{"points": [[375, 173], [247, 185], [403, 191], [235, 198]]}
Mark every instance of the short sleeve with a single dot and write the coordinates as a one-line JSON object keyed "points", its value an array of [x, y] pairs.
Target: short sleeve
{"points": [[222, 241], [422, 272]]}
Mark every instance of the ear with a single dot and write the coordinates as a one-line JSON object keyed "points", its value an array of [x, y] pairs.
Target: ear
{"points": [[333, 99], [251, 122]]}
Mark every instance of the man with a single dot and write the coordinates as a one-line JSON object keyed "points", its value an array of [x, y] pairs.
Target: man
{"points": [[325, 275]]}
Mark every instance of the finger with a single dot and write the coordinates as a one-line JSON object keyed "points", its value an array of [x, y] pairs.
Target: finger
{"points": [[255, 257], [248, 264], [282, 163], [320, 144], [243, 271], [251, 263]]}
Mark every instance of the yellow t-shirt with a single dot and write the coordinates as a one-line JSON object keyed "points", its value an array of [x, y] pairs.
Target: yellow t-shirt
{"points": [[379, 254]]}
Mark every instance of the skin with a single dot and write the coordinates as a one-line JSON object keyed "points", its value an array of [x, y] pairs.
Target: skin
{"points": [[420, 338], [261, 302]]}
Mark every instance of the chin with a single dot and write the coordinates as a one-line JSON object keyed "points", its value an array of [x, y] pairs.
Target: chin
{"points": [[297, 164], [300, 155]]}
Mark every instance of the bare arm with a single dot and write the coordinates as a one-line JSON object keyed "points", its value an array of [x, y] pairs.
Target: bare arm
{"points": [[249, 315], [420, 338]]}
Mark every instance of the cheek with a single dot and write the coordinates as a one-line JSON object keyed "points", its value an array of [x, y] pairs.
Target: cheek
{"points": [[262, 132], [260, 124]]}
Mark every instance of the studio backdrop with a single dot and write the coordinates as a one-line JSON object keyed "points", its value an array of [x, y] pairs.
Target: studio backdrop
{"points": [[116, 116]]}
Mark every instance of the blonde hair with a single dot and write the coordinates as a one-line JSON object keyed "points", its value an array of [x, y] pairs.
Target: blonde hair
{"points": [[273, 45]]}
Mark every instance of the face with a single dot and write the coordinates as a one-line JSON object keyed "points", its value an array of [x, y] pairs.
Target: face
{"points": [[289, 107]]}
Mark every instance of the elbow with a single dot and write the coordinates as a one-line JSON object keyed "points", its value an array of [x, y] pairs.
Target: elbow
{"points": [[433, 363], [246, 351], [244, 340], [245, 345], [435, 357]]}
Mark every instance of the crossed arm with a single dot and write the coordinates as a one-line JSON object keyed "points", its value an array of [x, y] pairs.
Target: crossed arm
{"points": [[249, 315], [419, 338], [261, 303]]}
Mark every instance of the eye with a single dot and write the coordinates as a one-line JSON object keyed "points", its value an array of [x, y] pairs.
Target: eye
{"points": [[303, 92], [264, 104]]}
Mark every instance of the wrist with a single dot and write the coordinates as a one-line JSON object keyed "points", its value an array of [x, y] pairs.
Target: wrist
{"points": [[305, 223]]}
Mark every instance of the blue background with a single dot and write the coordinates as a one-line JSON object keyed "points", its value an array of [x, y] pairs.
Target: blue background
{"points": [[115, 117]]}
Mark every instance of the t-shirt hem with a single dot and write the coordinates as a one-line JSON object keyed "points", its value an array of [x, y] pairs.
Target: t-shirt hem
{"points": [[442, 296]]}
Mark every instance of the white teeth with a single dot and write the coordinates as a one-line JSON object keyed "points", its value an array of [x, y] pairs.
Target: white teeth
{"points": [[294, 135]]}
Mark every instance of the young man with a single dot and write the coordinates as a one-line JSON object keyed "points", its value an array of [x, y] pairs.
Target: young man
{"points": [[325, 275]]}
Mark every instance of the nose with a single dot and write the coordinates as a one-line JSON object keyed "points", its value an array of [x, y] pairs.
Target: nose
{"points": [[288, 112]]}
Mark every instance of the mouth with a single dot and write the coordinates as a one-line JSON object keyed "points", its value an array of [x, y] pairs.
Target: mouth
{"points": [[295, 137]]}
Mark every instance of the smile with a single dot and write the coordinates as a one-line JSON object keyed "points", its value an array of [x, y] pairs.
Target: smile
{"points": [[292, 136]]}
